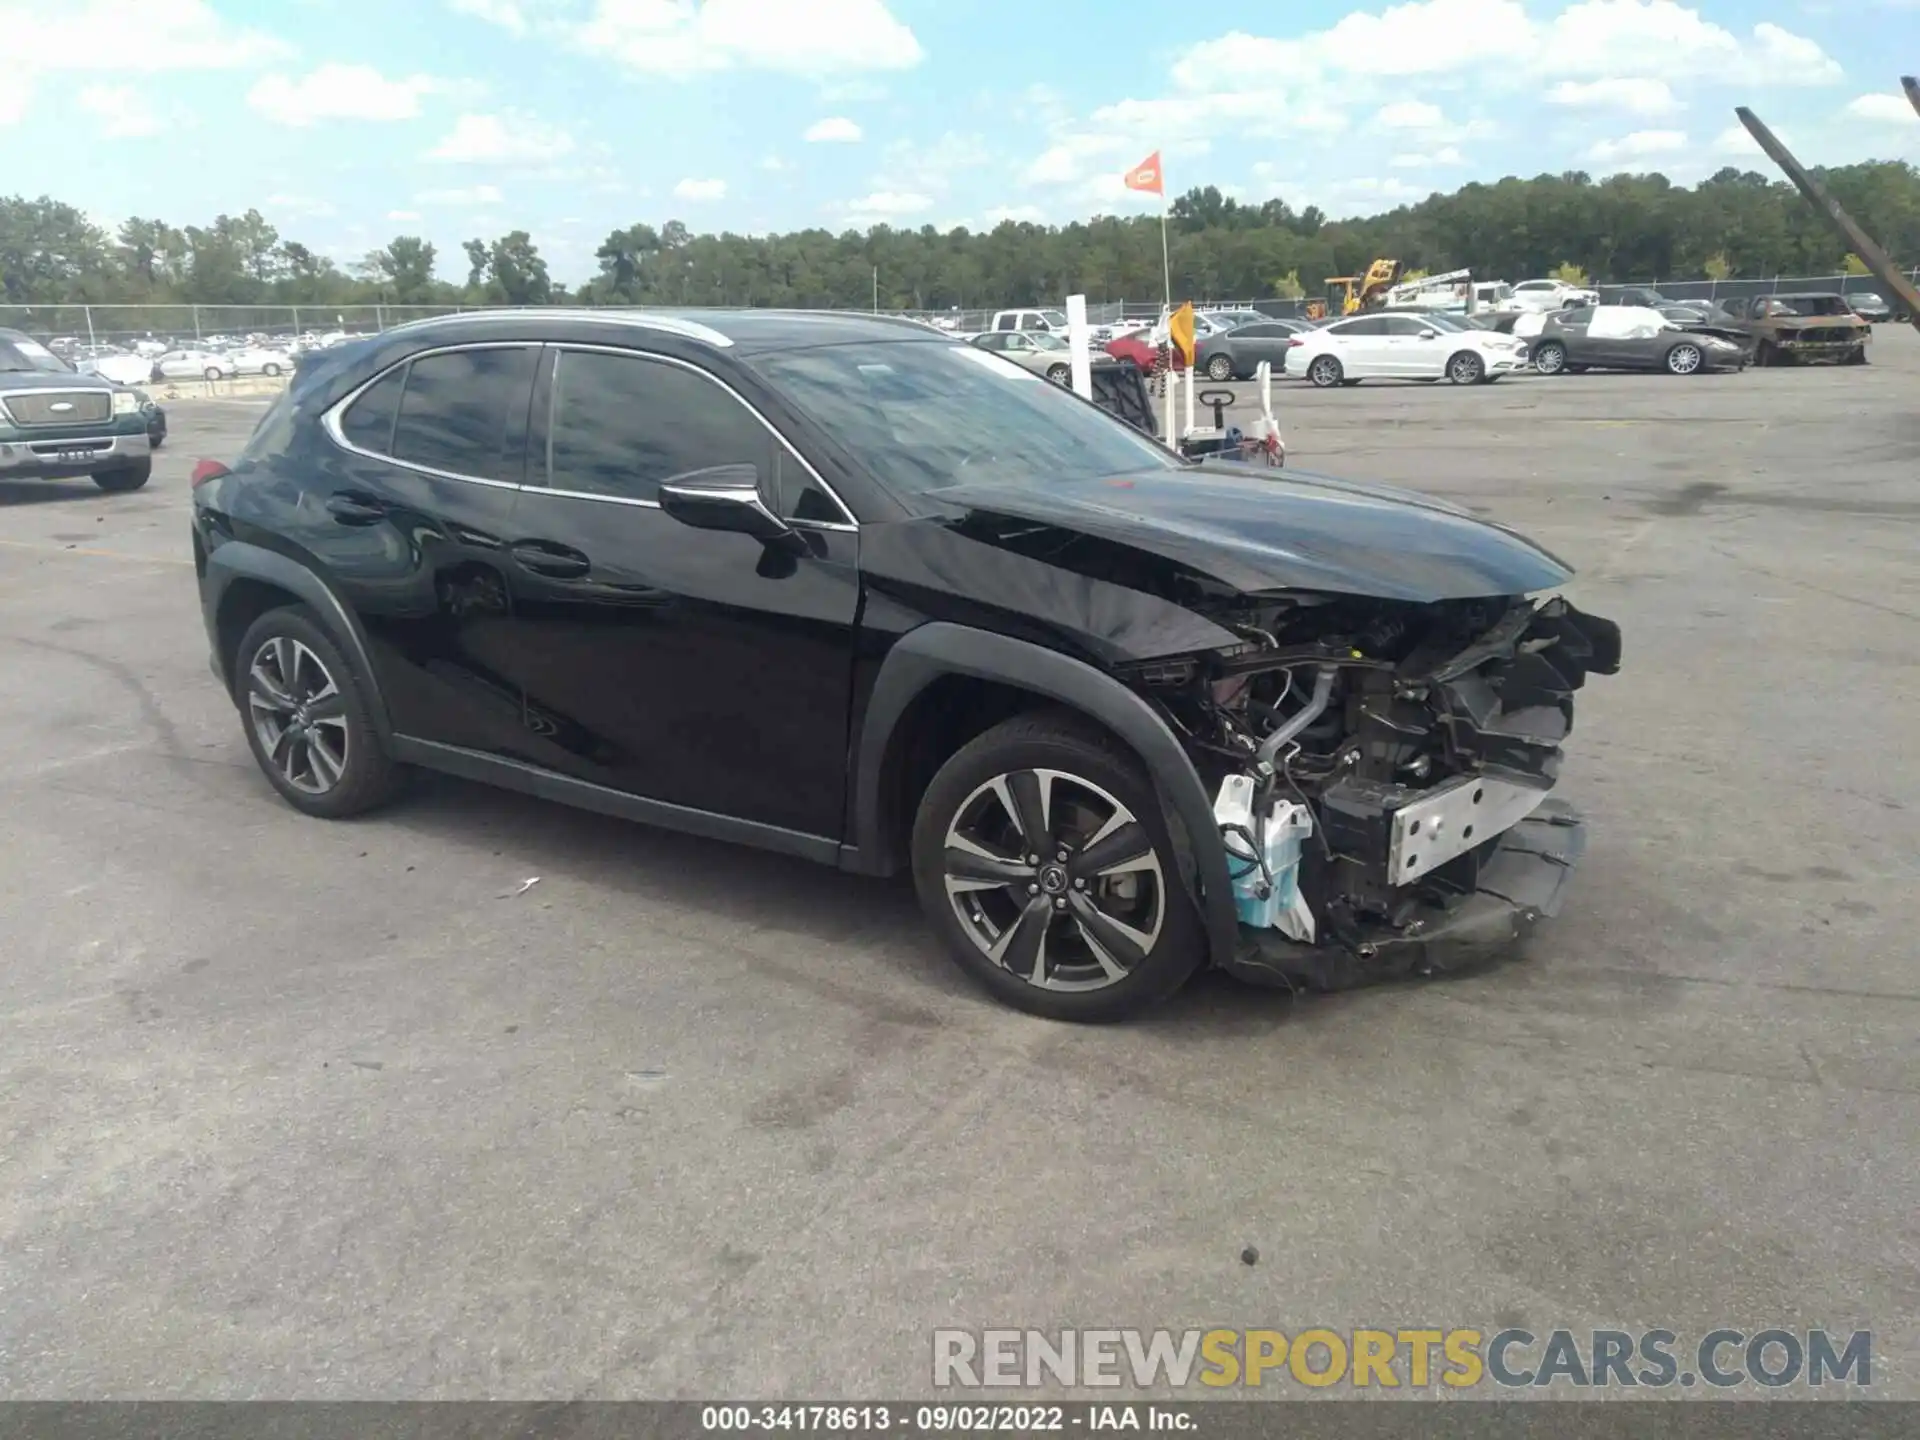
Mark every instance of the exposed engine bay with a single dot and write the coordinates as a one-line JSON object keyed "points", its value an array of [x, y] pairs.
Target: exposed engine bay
{"points": [[1407, 749]]}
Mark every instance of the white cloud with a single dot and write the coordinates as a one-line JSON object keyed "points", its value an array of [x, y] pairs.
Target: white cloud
{"points": [[1637, 96], [1640, 145], [1891, 109], [408, 215], [123, 112], [1410, 115], [817, 38], [142, 35], [509, 138], [504, 13], [462, 195], [1415, 160], [16, 97], [701, 190], [339, 92], [305, 205], [835, 128], [885, 207]]}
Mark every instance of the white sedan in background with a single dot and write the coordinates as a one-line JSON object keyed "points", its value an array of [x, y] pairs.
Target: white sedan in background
{"points": [[259, 360], [194, 365], [1404, 347]]}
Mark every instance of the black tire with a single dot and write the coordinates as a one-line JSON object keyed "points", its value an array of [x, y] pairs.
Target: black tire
{"points": [[1550, 358], [269, 369], [1091, 775], [1576, 369], [1059, 374], [357, 772], [1220, 368], [1325, 372], [1465, 367], [1856, 356], [122, 478]]}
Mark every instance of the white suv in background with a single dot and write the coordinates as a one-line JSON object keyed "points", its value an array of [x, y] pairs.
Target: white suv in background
{"points": [[1544, 295], [1387, 346]]}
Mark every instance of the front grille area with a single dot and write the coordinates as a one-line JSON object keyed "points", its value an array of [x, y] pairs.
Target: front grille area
{"points": [[59, 407]]}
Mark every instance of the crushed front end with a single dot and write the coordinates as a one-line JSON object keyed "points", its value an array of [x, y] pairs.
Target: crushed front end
{"points": [[1384, 771]]}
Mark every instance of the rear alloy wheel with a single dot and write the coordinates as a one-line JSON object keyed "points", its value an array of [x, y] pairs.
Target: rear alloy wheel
{"points": [[1325, 372], [1041, 856], [1550, 358], [1220, 368], [1684, 359], [306, 720], [214, 372], [1466, 368]]}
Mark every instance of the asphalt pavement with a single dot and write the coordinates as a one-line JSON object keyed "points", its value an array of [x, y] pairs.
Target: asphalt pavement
{"points": [[305, 1110]]}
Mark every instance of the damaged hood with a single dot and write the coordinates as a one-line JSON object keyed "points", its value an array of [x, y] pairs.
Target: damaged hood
{"points": [[1296, 532]]}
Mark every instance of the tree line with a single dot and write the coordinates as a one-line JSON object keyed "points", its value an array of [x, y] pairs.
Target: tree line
{"points": [[1625, 227]]}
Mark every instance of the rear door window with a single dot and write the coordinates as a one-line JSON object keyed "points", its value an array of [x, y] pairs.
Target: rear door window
{"points": [[464, 412], [368, 422]]}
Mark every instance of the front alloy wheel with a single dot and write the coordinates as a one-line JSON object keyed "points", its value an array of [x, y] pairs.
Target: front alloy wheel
{"points": [[298, 715], [1683, 359], [1054, 880], [1466, 368], [1043, 860], [1550, 358]]}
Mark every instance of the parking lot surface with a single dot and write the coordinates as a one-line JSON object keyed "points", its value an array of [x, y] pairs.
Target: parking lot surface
{"points": [[296, 1109]]}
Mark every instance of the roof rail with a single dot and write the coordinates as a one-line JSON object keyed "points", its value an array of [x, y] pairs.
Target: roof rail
{"points": [[647, 319]]}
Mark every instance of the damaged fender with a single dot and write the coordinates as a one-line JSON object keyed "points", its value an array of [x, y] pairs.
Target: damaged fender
{"points": [[940, 648]]}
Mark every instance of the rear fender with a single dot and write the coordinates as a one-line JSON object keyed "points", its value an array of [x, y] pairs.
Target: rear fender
{"points": [[240, 560]]}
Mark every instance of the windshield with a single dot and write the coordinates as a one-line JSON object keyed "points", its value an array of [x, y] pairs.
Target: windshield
{"points": [[1043, 341], [1055, 318], [18, 354], [1446, 322], [923, 417], [1812, 305]]}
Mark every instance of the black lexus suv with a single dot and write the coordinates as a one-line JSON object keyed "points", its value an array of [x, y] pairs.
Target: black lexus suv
{"points": [[846, 588]]}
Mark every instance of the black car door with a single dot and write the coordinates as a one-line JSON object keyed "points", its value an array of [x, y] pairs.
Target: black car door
{"points": [[409, 522], [1569, 327], [695, 667]]}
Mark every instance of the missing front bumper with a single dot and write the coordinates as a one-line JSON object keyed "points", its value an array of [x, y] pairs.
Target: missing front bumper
{"points": [[1522, 883]]}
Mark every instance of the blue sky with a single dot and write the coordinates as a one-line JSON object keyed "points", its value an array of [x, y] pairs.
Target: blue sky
{"points": [[349, 121]]}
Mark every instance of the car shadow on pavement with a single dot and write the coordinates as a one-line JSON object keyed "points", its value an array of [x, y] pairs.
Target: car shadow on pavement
{"points": [[735, 890], [47, 492]]}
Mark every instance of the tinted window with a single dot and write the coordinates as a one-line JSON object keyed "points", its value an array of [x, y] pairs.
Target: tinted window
{"points": [[1408, 325], [368, 423], [992, 342], [465, 412], [622, 424], [1578, 315], [1262, 332], [1373, 325]]}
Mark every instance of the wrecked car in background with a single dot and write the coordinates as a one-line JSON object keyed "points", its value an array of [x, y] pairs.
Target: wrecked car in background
{"points": [[1634, 337], [1785, 329], [846, 588]]}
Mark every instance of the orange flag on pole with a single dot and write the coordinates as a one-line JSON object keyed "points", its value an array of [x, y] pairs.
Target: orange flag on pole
{"points": [[1146, 176], [1180, 333]]}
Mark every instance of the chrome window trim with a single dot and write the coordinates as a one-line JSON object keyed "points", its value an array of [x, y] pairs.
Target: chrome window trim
{"points": [[330, 421], [671, 324], [560, 347]]}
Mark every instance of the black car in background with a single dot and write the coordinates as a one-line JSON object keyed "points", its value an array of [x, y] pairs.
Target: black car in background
{"points": [[1870, 306], [849, 589]]}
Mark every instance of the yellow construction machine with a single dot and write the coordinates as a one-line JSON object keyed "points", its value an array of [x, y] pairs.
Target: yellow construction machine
{"points": [[1349, 293]]}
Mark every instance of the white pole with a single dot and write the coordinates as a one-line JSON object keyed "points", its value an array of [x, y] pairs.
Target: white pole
{"points": [[1192, 377], [1079, 341], [1173, 386]]}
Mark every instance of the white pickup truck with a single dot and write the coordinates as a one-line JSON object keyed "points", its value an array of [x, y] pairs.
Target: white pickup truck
{"points": [[1051, 322]]}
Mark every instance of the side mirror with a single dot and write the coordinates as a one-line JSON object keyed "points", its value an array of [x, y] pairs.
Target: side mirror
{"points": [[727, 497], [1429, 334]]}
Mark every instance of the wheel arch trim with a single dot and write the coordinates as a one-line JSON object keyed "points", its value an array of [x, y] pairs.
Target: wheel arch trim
{"points": [[941, 648], [242, 560]]}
